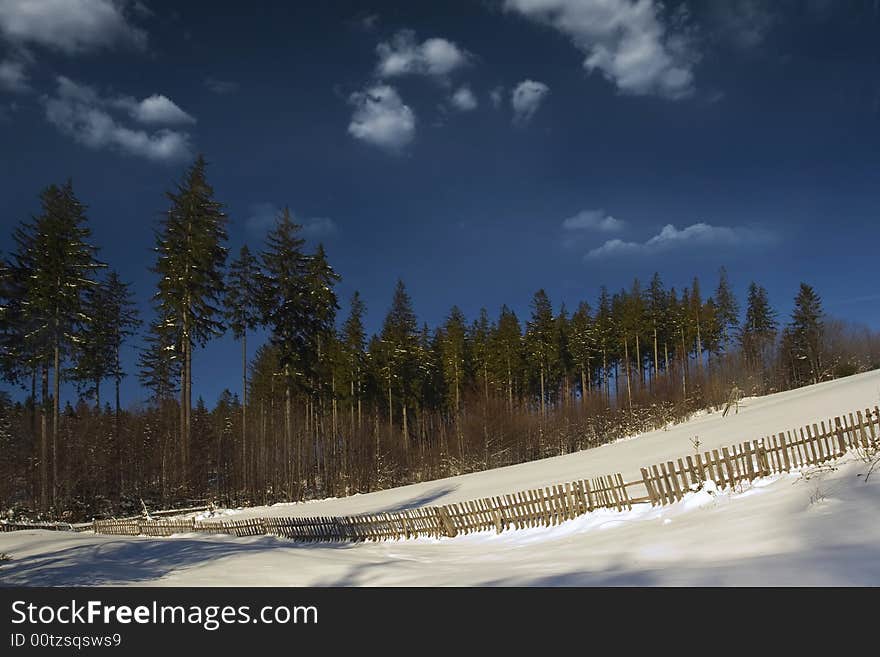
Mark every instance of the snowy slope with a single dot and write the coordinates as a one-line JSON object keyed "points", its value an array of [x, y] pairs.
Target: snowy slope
{"points": [[793, 529]]}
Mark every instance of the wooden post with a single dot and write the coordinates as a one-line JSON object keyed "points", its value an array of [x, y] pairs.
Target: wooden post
{"points": [[446, 522]]}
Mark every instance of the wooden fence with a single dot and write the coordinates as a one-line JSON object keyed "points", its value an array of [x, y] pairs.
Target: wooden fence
{"points": [[785, 451], [664, 483]]}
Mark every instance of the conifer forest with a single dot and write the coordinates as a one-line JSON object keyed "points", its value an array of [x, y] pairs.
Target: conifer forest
{"points": [[324, 408]]}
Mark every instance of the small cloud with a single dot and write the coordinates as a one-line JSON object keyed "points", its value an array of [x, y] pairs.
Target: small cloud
{"points": [[381, 119], [593, 220], [496, 96], [221, 87], [464, 100], [367, 23], [79, 112], [157, 109], [13, 76], [262, 216], [743, 23], [670, 237], [71, 26], [319, 227], [526, 99], [433, 57]]}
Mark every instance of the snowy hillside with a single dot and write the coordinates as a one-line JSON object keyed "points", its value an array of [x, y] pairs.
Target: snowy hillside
{"points": [[815, 527]]}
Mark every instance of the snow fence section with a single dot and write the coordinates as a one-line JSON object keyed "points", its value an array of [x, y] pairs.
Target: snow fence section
{"points": [[546, 507], [664, 483], [785, 451]]}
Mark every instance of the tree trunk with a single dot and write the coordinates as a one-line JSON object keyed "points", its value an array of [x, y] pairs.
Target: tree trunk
{"points": [[626, 369], [44, 438], [244, 468], [55, 417]]}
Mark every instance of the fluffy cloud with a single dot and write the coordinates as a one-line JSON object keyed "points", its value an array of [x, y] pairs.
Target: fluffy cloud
{"points": [[526, 98], [670, 237], [403, 55], [464, 100], [263, 215], [156, 109], [70, 26], [626, 40], [593, 220], [13, 76], [380, 118], [80, 113]]}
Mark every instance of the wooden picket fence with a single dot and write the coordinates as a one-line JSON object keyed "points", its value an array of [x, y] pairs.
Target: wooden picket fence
{"points": [[663, 483], [812, 445]]}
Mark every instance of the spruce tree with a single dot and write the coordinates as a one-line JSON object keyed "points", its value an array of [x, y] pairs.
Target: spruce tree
{"points": [[758, 331], [806, 331], [726, 310], [55, 265], [285, 309], [190, 259], [242, 303], [581, 345], [399, 340], [353, 340], [507, 352], [542, 347]]}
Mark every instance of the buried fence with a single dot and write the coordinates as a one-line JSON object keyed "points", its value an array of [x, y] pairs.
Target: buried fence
{"points": [[664, 483]]}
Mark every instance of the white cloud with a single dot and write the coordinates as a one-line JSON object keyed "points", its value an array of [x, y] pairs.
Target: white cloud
{"points": [[13, 76], [404, 56], [670, 237], [80, 113], [626, 40], [263, 215], [221, 87], [593, 220], [156, 109], [380, 118], [464, 100], [526, 98], [70, 26]]}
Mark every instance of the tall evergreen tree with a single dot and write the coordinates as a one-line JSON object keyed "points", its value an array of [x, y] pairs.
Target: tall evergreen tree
{"points": [[353, 340], [191, 255], [399, 340], [242, 302], [56, 265], [806, 331], [286, 310], [541, 345], [726, 310], [758, 331]]}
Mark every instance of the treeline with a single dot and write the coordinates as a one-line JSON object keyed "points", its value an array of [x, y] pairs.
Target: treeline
{"points": [[324, 409]]}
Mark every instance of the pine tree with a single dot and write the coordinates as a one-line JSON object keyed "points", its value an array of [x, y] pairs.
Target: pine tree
{"points": [[758, 331], [399, 341], [806, 331], [507, 352], [657, 314], [55, 265], [604, 328], [453, 347], [353, 339], [242, 303], [541, 345], [581, 345], [286, 310], [190, 259], [726, 311]]}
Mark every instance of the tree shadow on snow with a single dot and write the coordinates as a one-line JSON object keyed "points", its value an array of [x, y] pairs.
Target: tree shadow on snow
{"points": [[135, 560]]}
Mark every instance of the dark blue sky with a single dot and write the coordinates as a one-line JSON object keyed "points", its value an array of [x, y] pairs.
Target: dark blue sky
{"points": [[478, 150]]}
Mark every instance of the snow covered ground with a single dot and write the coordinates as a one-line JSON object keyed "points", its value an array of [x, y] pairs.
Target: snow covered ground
{"points": [[820, 527]]}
